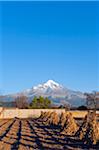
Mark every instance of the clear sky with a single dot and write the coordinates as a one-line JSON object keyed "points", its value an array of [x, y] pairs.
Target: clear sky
{"points": [[49, 40]]}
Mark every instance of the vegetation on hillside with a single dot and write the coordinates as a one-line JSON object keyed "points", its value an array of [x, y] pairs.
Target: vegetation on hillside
{"points": [[40, 102]]}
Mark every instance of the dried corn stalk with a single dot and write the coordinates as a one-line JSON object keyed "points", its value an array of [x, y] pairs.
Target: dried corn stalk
{"points": [[70, 127], [88, 131]]}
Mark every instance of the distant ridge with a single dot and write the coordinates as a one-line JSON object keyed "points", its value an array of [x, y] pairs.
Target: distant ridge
{"points": [[53, 90]]}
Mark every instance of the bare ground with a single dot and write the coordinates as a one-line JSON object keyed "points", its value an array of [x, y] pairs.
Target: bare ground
{"points": [[32, 134]]}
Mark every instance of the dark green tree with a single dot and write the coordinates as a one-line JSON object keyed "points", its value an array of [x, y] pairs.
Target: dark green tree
{"points": [[40, 102]]}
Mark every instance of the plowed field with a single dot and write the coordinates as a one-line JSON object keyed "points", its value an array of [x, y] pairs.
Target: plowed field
{"points": [[31, 134]]}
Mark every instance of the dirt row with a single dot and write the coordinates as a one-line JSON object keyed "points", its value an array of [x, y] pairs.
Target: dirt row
{"points": [[26, 134]]}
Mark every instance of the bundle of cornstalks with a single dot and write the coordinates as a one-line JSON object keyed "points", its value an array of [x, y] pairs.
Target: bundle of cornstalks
{"points": [[88, 131], [62, 119], [53, 119], [44, 115], [70, 126], [47, 116]]}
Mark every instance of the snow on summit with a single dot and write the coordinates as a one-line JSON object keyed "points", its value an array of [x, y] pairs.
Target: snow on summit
{"points": [[49, 84]]}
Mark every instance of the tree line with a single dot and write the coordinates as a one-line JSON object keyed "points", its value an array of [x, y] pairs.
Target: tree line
{"points": [[22, 102], [37, 102]]}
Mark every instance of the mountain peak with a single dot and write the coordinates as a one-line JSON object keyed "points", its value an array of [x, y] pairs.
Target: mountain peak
{"points": [[51, 81], [49, 84]]}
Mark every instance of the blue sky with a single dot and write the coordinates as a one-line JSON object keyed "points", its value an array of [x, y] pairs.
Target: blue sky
{"points": [[49, 40]]}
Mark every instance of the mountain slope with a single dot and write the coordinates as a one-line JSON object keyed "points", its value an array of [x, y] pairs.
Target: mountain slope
{"points": [[56, 92]]}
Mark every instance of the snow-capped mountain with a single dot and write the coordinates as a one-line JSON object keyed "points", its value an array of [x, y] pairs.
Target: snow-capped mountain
{"points": [[55, 91], [50, 88]]}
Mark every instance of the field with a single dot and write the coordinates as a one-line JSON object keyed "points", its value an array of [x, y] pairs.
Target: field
{"points": [[30, 134]]}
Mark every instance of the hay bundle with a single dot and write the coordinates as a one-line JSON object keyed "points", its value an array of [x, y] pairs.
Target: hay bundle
{"points": [[53, 119], [42, 115], [70, 127], [62, 118], [82, 130], [47, 116], [89, 132], [47, 119]]}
